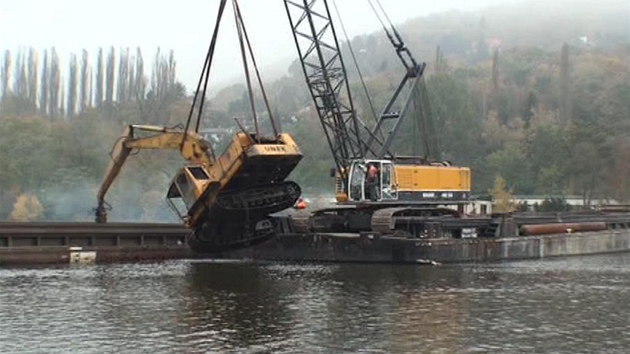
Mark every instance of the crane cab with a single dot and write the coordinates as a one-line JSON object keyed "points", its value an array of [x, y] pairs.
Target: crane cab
{"points": [[403, 180], [370, 180]]}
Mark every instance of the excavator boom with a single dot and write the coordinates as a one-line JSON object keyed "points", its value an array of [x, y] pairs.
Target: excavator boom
{"points": [[193, 148]]}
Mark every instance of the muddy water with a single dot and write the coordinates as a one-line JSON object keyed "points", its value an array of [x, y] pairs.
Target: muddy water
{"points": [[572, 305]]}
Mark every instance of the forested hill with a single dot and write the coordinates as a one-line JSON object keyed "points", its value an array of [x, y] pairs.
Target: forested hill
{"points": [[469, 37], [532, 93]]}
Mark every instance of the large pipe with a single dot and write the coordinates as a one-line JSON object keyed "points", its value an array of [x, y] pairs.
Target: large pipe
{"points": [[559, 228]]}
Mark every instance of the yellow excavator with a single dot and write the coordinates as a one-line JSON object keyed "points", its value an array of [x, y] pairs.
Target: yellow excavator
{"points": [[225, 200]]}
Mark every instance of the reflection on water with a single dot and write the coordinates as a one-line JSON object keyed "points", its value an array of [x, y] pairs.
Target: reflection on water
{"points": [[565, 306]]}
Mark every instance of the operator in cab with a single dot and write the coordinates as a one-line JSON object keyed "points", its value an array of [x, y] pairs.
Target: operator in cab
{"points": [[372, 182]]}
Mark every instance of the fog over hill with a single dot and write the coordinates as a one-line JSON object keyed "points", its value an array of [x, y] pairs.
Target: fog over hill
{"points": [[530, 23]]}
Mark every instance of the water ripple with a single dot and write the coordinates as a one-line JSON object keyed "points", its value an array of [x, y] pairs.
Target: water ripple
{"points": [[573, 305]]}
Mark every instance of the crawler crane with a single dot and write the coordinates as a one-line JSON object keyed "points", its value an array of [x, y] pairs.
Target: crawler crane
{"points": [[409, 191], [225, 200]]}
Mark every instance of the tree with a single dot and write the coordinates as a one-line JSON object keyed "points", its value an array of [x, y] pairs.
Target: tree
{"points": [[503, 200], [44, 91], [33, 64], [553, 204], [20, 84], [140, 84], [54, 84], [72, 87], [482, 48], [123, 76], [565, 84], [109, 77], [528, 110], [27, 208], [495, 71], [6, 73], [98, 93], [84, 98]]}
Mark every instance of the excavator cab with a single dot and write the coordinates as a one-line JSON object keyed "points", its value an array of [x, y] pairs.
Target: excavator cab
{"points": [[186, 188]]}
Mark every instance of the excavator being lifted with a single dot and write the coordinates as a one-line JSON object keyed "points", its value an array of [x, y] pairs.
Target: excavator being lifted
{"points": [[227, 200], [376, 189]]}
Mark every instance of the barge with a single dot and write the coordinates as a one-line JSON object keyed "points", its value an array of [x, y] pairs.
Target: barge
{"points": [[28, 243], [495, 238], [478, 239]]}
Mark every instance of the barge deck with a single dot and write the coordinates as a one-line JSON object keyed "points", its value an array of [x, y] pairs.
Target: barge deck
{"points": [[480, 239], [23, 243], [501, 238], [338, 247]]}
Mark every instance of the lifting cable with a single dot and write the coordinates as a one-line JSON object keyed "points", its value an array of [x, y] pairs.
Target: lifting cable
{"points": [[239, 29], [396, 38], [378, 16], [203, 78], [419, 91], [356, 64], [242, 34]]}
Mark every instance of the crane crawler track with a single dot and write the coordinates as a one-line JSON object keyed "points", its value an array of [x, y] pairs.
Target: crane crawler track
{"points": [[414, 221]]}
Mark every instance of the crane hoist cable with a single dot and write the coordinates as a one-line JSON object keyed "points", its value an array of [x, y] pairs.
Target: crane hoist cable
{"points": [[200, 94], [396, 39], [239, 29], [419, 92], [202, 85], [244, 39], [378, 16]]}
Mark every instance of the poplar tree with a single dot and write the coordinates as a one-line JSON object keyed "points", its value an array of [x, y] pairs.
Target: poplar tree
{"points": [[55, 84], [495, 71], [98, 90], [20, 87], [62, 99], [44, 91], [123, 75], [91, 88], [131, 82], [33, 64], [565, 83], [72, 86], [109, 77], [84, 98], [6, 73], [140, 83]]}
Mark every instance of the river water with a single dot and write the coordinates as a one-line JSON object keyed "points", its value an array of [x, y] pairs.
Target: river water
{"points": [[570, 305]]}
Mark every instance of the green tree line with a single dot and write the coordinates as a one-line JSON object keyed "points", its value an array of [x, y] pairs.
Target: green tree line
{"points": [[546, 119], [56, 130], [30, 86]]}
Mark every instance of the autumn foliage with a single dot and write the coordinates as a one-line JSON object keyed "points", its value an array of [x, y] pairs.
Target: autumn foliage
{"points": [[27, 208]]}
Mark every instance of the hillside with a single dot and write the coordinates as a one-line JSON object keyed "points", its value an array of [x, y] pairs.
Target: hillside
{"points": [[530, 92]]}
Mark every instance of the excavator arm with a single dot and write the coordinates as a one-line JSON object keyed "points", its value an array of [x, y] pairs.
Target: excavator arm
{"points": [[193, 148]]}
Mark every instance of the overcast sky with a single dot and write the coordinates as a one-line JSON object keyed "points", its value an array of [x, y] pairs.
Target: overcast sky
{"points": [[185, 26]]}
